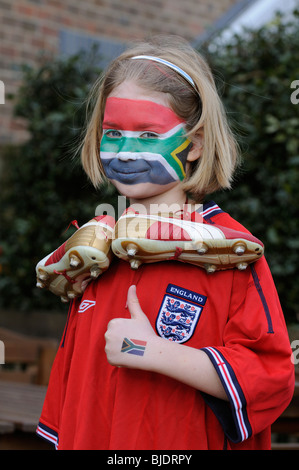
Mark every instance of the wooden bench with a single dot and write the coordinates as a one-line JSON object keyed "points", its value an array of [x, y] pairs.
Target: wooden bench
{"points": [[20, 408], [285, 430], [27, 359], [23, 383]]}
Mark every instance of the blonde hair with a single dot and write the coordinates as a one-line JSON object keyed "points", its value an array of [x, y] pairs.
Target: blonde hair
{"points": [[202, 110]]}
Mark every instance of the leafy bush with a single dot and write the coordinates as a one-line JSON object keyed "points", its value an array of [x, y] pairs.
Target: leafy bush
{"points": [[255, 72], [43, 187]]}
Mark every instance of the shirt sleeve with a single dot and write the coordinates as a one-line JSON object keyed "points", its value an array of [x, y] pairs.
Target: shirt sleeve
{"points": [[254, 363]]}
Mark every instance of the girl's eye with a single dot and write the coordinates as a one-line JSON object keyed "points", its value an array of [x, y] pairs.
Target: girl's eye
{"points": [[113, 134], [149, 135]]}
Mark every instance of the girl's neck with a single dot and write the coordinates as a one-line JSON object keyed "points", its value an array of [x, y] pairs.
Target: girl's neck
{"points": [[171, 200]]}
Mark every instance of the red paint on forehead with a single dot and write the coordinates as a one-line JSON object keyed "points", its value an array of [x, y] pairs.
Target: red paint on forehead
{"points": [[138, 115]]}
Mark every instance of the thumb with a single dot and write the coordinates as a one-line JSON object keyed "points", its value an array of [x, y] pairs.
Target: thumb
{"points": [[133, 303]]}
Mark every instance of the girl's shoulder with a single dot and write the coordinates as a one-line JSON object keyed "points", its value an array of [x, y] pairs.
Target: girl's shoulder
{"points": [[213, 214]]}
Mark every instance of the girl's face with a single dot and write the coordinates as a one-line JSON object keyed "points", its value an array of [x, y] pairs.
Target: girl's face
{"points": [[143, 147]]}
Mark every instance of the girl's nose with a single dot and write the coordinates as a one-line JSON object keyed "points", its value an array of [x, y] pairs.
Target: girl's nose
{"points": [[125, 156]]}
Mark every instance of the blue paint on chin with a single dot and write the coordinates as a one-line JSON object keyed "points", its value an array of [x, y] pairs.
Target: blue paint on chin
{"points": [[137, 171]]}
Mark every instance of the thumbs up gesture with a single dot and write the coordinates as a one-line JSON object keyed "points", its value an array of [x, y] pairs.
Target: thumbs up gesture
{"points": [[132, 342], [128, 341]]}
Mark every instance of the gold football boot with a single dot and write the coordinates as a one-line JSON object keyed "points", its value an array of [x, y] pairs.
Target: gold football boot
{"points": [[83, 257]]}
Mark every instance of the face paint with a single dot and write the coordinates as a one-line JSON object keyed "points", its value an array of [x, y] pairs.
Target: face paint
{"points": [[143, 142]]}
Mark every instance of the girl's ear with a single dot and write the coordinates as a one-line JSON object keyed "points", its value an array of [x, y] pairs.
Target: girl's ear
{"points": [[196, 151]]}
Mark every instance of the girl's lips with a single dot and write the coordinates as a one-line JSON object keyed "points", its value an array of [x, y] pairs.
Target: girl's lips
{"points": [[139, 166], [129, 174], [128, 171]]}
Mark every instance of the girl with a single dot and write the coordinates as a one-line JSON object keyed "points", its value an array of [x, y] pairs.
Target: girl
{"points": [[168, 356]]}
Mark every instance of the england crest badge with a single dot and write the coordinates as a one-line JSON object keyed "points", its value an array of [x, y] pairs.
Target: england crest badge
{"points": [[178, 317]]}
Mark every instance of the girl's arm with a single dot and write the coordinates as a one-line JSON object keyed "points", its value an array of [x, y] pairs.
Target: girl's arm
{"points": [[183, 363]]}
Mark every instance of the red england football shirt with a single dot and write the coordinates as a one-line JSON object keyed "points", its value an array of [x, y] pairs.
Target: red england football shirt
{"points": [[235, 318]]}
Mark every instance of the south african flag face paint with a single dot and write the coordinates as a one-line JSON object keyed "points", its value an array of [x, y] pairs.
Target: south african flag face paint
{"points": [[143, 142]]}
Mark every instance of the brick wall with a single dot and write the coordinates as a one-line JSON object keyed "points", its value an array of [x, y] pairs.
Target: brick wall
{"points": [[30, 28]]}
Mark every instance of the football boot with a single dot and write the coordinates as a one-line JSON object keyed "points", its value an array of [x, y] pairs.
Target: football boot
{"points": [[143, 238], [83, 257]]}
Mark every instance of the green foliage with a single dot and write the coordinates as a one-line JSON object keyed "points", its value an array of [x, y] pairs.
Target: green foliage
{"points": [[43, 187], [255, 72]]}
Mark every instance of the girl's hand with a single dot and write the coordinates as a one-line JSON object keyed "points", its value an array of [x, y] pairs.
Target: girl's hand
{"points": [[131, 342]]}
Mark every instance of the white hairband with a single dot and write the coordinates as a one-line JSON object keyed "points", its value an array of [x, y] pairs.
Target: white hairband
{"points": [[169, 64]]}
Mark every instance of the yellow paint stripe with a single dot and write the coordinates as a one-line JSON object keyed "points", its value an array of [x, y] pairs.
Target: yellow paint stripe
{"points": [[178, 150]]}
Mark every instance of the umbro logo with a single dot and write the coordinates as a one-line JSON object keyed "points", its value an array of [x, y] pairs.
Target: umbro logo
{"points": [[85, 305]]}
